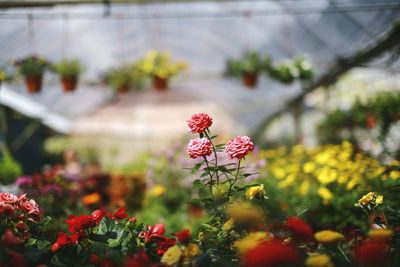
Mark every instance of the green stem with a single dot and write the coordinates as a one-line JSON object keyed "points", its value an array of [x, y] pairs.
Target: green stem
{"points": [[234, 180], [211, 178], [215, 156], [342, 252]]}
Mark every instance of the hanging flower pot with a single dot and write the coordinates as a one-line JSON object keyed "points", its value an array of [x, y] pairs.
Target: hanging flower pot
{"points": [[69, 71], [159, 67], [250, 80], [69, 83], [159, 83], [33, 83], [33, 68]]}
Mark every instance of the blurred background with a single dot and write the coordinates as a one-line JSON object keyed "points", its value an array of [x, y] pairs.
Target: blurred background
{"points": [[100, 91]]}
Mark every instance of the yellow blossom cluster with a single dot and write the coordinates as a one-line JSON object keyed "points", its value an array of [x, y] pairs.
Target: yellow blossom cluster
{"points": [[328, 237], [370, 200], [316, 169], [160, 64], [245, 213], [255, 191], [180, 256]]}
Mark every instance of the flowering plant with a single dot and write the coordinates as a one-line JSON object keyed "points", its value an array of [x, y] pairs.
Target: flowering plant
{"points": [[160, 64], [251, 62], [32, 65]]}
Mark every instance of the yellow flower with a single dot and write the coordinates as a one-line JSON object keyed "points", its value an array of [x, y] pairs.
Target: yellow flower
{"points": [[318, 260], [328, 237], [192, 250], [201, 236], [304, 187], [245, 213], [172, 256], [158, 190], [255, 191], [251, 240], [309, 167], [327, 175], [370, 200], [325, 194], [228, 225], [380, 234]]}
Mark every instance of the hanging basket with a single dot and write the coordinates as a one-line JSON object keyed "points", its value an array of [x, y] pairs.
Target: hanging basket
{"points": [[250, 80], [69, 83], [160, 84], [34, 83]]}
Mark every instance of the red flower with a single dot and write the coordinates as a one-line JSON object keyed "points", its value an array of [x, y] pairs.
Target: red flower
{"points": [[79, 223], [163, 244], [97, 261], [9, 238], [239, 147], [271, 253], [199, 147], [372, 253], [183, 236], [17, 260], [300, 229], [155, 231], [6, 209], [140, 259], [8, 198], [198, 123], [120, 214], [62, 240], [97, 215]]}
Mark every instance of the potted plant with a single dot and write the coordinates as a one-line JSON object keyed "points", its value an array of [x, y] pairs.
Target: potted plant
{"points": [[125, 77], [69, 71], [160, 68], [33, 68], [284, 72], [304, 68], [247, 68]]}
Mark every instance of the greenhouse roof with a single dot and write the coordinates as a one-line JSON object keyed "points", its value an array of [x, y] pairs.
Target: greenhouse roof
{"points": [[205, 33]]}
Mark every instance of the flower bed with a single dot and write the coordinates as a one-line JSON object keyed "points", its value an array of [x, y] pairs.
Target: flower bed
{"points": [[247, 222]]}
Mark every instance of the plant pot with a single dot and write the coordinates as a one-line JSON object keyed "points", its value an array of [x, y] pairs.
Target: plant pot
{"points": [[123, 89], [160, 84], [33, 83], [250, 80], [69, 83]]}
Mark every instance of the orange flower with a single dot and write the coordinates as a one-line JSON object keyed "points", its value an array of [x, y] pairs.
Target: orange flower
{"points": [[91, 199]]}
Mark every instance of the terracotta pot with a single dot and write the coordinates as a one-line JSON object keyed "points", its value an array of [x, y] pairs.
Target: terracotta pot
{"points": [[69, 83], [160, 84], [250, 80], [371, 121], [123, 89], [34, 83]]}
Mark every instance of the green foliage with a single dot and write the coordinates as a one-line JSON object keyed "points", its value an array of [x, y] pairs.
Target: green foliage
{"points": [[10, 170], [68, 68], [250, 63], [285, 72], [379, 112], [32, 65], [129, 76]]}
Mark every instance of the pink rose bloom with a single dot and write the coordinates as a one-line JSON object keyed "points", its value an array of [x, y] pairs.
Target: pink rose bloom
{"points": [[8, 198], [6, 209], [239, 147], [199, 147], [30, 206], [198, 123]]}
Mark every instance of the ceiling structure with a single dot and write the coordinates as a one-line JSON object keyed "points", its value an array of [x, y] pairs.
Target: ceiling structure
{"points": [[205, 33]]}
